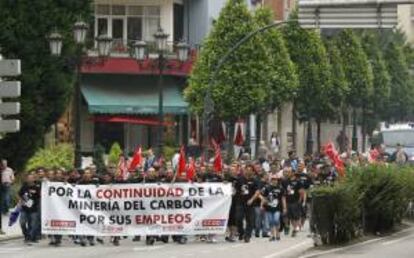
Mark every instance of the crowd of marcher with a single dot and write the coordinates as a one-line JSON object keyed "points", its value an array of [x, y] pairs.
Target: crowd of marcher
{"points": [[271, 196]]}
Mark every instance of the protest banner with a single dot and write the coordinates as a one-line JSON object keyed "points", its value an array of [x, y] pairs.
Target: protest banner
{"points": [[135, 209]]}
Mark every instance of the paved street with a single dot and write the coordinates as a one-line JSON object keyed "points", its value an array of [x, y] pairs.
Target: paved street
{"points": [[258, 248], [399, 245]]}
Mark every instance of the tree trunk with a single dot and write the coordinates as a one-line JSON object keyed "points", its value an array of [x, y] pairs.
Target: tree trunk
{"points": [[364, 133], [318, 134], [343, 146], [309, 139], [258, 131], [294, 118], [230, 146]]}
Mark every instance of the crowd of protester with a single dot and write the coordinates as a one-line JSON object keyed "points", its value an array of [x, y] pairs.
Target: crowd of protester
{"points": [[271, 196]]}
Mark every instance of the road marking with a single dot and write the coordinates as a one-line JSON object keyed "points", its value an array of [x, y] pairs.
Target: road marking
{"points": [[147, 248], [303, 243], [236, 245], [398, 240]]}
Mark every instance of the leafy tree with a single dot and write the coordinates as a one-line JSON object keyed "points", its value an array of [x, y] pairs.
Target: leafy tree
{"points": [[339, 89], [282, 76], [378, 105], [46, 80], [282, 72], [402, 93], [241, 86], [308, 53], [358, 72]]}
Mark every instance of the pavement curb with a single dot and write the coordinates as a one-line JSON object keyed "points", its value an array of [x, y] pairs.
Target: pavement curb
{"points": [[10, 238]]}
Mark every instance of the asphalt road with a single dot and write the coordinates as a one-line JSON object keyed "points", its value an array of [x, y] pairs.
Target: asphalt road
{"points": [[399, 245], [257, 248]]}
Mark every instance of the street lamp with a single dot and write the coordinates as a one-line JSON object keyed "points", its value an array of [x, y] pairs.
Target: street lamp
{"points": [[80, 29], [139, 53], [55, 43], [182, 50], [104, 45]]}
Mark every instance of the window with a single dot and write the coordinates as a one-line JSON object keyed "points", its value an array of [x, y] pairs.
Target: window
{"points": [[134, 28], [127, 22], [102, 26]]}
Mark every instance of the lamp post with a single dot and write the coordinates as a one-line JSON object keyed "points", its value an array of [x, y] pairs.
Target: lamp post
{"points": [[139, 52], [80, 29]]}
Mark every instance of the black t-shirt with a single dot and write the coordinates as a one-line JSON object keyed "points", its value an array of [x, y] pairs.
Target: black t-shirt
{"points": [[245, 189], [212, 178], [292, 188], [305, 180], [273, 195], [30, 195]]}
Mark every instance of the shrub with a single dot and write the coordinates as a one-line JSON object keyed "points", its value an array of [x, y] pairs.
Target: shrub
{"points": [[57, 156], [372, 198], [98, 159], [114, 153]]}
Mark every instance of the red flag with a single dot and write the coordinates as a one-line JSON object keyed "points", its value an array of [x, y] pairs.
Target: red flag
{"points": [[191, 170], [239, 136], [331, 152], [136, 159], [181, 162], [123, 173], [218, 163]]}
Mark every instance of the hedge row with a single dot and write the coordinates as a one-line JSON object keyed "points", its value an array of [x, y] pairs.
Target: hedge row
{"points": [[369, 200]]}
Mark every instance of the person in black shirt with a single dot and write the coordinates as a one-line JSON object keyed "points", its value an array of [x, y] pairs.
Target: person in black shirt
{"points": [[29, 195], [261, 221], [246, 193], [306, 182], [231, 178], [295, 197], [273, 202]]}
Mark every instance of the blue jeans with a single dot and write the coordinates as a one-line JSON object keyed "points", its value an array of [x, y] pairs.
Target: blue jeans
{"points": [[261, 221], [29, 223], [5, 198], [273, 218]]}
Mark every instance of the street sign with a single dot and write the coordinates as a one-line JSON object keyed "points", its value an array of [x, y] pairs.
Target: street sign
{"points": [[338, 14], [9, 126], [10, 89], [10, 67], [9, 108]]}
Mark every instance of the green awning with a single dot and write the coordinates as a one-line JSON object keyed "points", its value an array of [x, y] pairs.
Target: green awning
{"points": [[128, 94]]}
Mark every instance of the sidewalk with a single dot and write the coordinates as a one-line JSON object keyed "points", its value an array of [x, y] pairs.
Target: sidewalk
{"points": [[13, 232]]}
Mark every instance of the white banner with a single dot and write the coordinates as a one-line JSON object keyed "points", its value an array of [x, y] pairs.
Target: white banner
{"points": [[135, 209]]}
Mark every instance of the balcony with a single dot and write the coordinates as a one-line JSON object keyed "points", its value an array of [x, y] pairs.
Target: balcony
{"points": [[121, 62]]}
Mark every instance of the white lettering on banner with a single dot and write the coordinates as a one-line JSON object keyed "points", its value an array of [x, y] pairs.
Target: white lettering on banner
{"points": [[135, 209]]}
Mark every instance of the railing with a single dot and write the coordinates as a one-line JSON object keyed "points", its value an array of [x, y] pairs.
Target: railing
{"points": [[122, 48]]}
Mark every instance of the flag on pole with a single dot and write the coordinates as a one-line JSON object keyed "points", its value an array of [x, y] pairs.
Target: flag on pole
{"points": [[123, 173], [181, 162], [331, 152], [218, 163], [191, 170], [136, 160]]}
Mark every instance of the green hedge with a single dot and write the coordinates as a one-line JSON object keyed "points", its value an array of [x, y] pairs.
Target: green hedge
{"points": [[370, 199], [57, 156]]}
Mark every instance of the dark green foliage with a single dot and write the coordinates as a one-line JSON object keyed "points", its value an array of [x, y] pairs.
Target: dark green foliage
{"points": [[242, 84], [282, 75], [309, 55], [402, 90], [371, 199], [46, 81], [357, 69]]}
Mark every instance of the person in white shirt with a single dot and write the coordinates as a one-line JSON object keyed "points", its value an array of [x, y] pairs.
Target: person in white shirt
{"points": [[7, 179]]}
